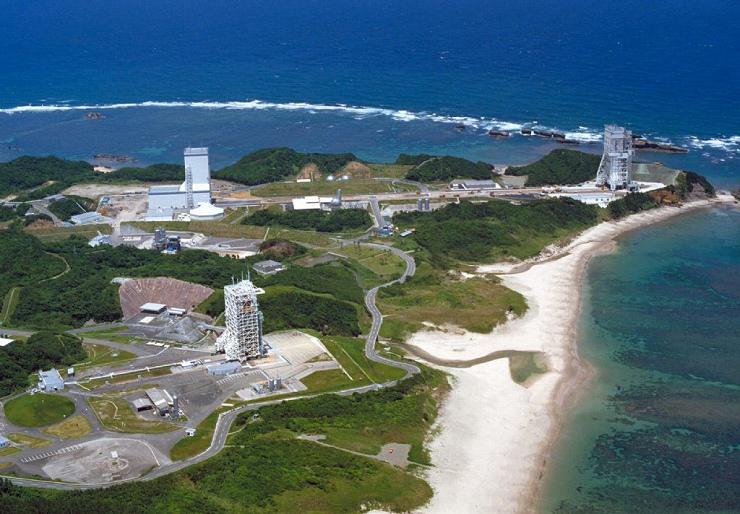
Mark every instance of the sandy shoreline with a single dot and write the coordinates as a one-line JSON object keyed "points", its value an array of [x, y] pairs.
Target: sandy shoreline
{"points": [[493, 436]]}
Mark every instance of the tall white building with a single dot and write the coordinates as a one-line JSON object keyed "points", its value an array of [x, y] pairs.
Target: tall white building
{"points": [[615, 168], [196, 188], [242, 338]]}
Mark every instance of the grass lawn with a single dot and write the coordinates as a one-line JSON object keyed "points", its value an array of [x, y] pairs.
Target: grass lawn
{"points": [[326, 380], [126, 377], [350, 352], [390, 170], [49, 234], [381, 262], [38, 409], [109, 334], [477, 304], [99, 355], [10, 450], [301, 236], [70, 428], [326, 188], [116, 414], [209, 228], [28, 440], [190, 446]]}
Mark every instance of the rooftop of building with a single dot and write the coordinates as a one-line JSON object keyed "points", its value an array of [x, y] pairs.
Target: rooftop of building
{"points": [[196, 150]]}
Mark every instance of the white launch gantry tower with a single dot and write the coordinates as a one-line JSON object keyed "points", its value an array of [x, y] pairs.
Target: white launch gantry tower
{"points": [[242, 338], [615, 168]]}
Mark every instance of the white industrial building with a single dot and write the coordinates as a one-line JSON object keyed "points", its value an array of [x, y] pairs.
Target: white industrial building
{"points": [[164, 201], [615, 168], [242, 338]]}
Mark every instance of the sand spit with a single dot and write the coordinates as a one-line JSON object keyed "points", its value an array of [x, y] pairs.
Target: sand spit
{"points": [[493, 436]]}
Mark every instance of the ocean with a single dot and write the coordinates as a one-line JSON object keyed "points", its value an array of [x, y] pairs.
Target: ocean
{"points": [[657, 432], [373, 77]]}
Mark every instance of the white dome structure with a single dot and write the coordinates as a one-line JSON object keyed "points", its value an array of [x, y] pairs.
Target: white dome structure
{"points": [[206, 212]]}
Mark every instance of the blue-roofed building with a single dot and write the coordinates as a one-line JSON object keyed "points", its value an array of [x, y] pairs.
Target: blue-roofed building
{"points": [[50, 380], [4, 442]]}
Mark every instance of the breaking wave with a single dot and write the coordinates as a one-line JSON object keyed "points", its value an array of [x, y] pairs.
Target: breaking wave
{"points": [[582, 134]]}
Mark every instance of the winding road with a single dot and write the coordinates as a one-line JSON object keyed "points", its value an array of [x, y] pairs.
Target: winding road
{"points": [[226, 419]]}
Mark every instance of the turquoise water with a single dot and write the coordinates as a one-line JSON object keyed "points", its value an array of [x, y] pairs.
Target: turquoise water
{"points": [[659, 428]]}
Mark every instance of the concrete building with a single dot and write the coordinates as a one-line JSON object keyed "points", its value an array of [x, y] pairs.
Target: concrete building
{"points": [[89, 218], [268, 267], [615, 168], [100, 239], [152, 308], [50, 380], [242, 338], [472, 185], [224, 368], [164, 201], [142, 404], [161, 400]]}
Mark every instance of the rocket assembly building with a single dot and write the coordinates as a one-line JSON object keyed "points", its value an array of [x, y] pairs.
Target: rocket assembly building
{"points": [[242, 338], [193, 194]]}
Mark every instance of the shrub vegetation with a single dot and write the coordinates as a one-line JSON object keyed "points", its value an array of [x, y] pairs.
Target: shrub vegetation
{"points": [[560, 166]]}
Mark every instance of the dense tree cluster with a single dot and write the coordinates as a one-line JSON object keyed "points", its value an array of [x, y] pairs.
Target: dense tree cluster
{"points": [[321, 221], [630, 204], [42, 350], [444, 169], [26, 172], [276, 164], [560, 166], [481, 231], [687, 181], [289, 307]]}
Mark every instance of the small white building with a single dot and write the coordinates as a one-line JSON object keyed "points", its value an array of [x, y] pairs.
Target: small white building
{"points": [[206, 212], [310, 202], [4, 341]]}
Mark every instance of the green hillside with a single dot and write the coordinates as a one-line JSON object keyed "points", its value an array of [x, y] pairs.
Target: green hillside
{"points": [[559, 167], [276, 164]]}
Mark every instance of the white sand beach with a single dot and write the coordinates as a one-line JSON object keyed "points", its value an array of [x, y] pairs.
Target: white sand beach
{"points": [[493, 435]]}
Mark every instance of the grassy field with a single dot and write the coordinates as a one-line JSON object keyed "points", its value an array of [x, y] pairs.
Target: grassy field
{"points": [[383, 263], [99, 355], [325, 188], [28, 440], [326, 380], [110, 334], [10, 450], [350, 352], [126, 377], [70, 428], [190, 446], [390, 170], [301, 236], [38, 409], [9, 304], [476, 304], [116, 414], [48, 234], [209, 228]]}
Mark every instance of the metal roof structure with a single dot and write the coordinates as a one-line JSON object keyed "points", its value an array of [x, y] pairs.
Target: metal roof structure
{"points": [[51, 380], [268, 267]]}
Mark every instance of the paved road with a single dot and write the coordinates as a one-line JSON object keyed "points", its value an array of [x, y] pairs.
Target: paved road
{"points": [[226, 419]]}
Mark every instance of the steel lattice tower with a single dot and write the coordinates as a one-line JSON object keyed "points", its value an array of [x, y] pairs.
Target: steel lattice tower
{"points": [[242, 338], [615, 168]]}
